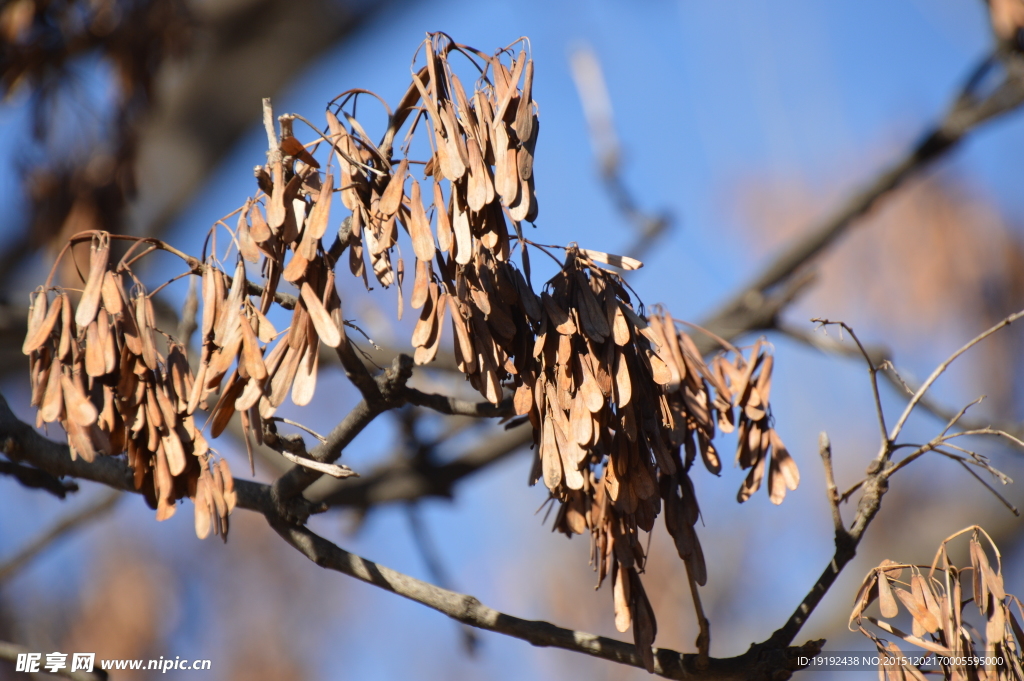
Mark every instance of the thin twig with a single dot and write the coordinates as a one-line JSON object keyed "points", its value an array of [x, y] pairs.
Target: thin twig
{"points": [[825, 451], [331, 469], [743, 311], [939, 370], [763, 660], [872, 371]]}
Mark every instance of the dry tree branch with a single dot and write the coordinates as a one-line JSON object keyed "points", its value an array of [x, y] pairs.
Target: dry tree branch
{"points": [[36, 479], [825, 451], [762, 661], [883, 360], [876, 484], [99, 507], [757, 307], [939, 370], [744, 312], [872, 371]]}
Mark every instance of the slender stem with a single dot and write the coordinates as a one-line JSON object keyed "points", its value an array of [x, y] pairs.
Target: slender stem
{"points": [[939, 370]]}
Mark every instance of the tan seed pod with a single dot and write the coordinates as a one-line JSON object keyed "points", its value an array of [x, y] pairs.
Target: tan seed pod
{"points": [[421, 284], [620, 327], [296, 268], [444, 226], [52, 408], [305, 377], [94, 361], [175, 453], [551, 460], [36, 314], [260, 230], [788, 473], [623, 262], [41, 323], [143, 316], [590, 391], [506, 174], [276, 208], [220, 361], [225, 407], [461, 227], [524, 112], [250, 396], [99, 258], [202, 502], [523, 207], [426, 353], [79, 409], [419, 226], [561, 320], [660, 372], [107, 342], [392, 196], [621, 598], [282, 379], [464, 352], [246, 245], [623, 384], [479, 180], [426, 327], [325, 327], [511, 86], [252, 358]]}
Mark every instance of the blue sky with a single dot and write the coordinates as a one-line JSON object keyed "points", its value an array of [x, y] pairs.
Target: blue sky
{"points": [[707, 95]]}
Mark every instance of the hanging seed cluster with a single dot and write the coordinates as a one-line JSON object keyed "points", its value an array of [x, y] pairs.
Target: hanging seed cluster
{"points": [[95, 368], [620, 402], [482, 144], [481, 170], [938, 606]]}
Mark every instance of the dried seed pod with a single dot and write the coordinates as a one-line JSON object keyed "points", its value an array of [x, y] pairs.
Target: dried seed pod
{"points": [[99, 259]]}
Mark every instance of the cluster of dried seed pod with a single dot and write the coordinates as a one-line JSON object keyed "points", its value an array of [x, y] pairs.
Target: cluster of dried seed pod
{"points": [[236, 333], [483, 145], [748, 385], [620, 403], [98, 371], [936, 604], [491, 309]]}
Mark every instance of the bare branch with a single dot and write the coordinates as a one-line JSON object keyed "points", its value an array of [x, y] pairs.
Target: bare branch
{"points": [[407, 480], [456, 407], [742, 312], [36, 479], [390, 393], [825, 451], [872, 371], [331, 469], [761, 661], [881, 358], [939, 370]]}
